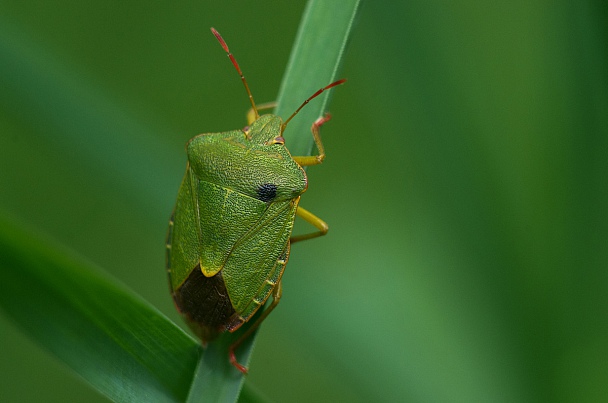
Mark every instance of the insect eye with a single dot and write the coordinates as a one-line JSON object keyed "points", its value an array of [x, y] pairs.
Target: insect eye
{"points": [[267, 191], [247, 132]]}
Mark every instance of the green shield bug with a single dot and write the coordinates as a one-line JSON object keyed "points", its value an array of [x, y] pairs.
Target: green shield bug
{"points": [[230, 232]]}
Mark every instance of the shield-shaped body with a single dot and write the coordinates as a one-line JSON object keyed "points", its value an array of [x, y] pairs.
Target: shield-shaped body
{"points": [[228, 239]]}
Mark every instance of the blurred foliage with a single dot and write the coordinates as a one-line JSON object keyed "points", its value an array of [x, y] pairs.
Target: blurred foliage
{"points": [[113, 339], [465, 187]]}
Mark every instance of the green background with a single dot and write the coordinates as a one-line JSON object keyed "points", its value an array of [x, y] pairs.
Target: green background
{"points": [[465, 186]]}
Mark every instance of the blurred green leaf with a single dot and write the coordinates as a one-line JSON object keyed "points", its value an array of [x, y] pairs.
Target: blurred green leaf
{"points": [[116, 341]]}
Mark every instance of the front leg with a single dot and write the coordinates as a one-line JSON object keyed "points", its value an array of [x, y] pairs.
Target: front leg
{"points": [[315, 159]]}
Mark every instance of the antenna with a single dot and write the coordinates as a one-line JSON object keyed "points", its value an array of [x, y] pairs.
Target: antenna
{"points": [[238, 69], [316, 94]]}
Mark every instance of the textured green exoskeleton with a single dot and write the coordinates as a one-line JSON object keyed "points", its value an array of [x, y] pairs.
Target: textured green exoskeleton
{"points": [[230, 233]]}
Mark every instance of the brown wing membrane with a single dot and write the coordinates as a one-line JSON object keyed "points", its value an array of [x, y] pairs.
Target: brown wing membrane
{"points": [[205, 302]]}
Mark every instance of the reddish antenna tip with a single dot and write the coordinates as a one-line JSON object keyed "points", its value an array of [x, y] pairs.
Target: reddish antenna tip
{"points": [[342, 81], [238, 69], [220, 39]]}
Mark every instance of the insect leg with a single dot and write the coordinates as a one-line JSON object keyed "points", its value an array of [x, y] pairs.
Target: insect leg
{"points": [[251, 112], [315, 159], [276, 297], [311, 219]]}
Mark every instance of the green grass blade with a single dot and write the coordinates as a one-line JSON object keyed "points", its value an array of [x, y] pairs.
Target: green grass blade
{"points": [[216, 380], [314, 62], [120, 344]]}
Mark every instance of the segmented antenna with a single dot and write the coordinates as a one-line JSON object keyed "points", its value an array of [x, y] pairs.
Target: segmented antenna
{"points": [[238, 69], [316, 94]]}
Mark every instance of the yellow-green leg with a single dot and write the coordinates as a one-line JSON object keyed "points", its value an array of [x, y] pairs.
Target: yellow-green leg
{"points": [[311, 219], [307, 161], [276, 297], [315, 159]]}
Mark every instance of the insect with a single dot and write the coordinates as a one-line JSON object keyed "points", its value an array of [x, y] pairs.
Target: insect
{"points": [[230, 232]]}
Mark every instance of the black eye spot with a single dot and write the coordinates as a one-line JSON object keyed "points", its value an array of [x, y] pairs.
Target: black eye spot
{"points": [[267, 192]]}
